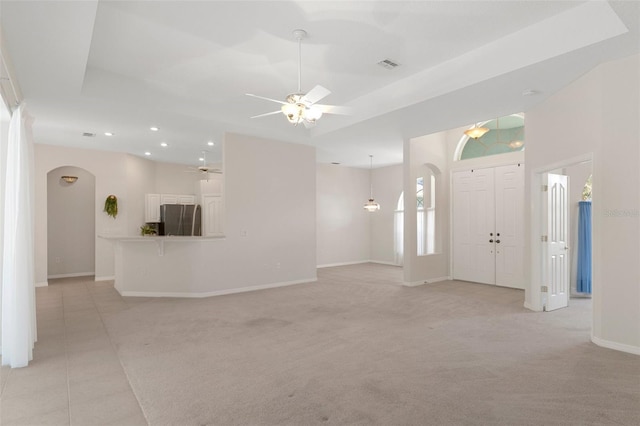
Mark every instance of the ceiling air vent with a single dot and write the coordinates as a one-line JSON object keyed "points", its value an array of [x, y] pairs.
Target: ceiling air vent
{"points": [[89, 135], [388, 64]]}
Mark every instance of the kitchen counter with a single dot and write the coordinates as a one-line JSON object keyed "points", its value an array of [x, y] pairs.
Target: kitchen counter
{"points": [[177, 266], [159, 239]]}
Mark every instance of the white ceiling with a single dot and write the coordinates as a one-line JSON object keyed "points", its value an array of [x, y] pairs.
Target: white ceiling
{"points": [[123, 66]]}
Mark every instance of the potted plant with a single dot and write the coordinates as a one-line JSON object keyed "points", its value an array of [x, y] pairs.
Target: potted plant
{"points": [[147, 230], [111, 206]]}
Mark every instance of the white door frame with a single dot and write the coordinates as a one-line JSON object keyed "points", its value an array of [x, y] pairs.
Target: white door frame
{"points": [[536, 227]]}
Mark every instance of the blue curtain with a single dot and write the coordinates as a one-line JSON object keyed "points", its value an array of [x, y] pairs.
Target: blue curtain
{"points": [[584, 248]]}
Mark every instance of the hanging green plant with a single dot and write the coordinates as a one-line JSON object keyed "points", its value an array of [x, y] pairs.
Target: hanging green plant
{"points": [[111, 206]]}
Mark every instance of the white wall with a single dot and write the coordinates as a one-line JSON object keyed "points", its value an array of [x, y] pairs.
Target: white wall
{"points": [[387, 187], [110, 173], [270, 228], [343, 229], [126, 176], [70, 223], [597, 114], [432, 150], [141, 180]]}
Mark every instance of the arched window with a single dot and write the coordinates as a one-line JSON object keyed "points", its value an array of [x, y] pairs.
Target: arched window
{"points": [[426, 229], [426, 207], [506, 134]]}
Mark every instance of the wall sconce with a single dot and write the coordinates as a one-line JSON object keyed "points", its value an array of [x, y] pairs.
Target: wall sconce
{"points": [[69, 179]]}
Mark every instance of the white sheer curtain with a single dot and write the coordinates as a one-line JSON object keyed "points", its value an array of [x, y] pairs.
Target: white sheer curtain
{"points": [[18, 285]]}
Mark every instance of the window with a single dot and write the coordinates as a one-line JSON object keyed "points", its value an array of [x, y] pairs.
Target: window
{"points": [[426, 229], [426, 219], [506, 134]]}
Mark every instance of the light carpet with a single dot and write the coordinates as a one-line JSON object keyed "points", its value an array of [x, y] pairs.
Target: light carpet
{"points": [[356, 348]]}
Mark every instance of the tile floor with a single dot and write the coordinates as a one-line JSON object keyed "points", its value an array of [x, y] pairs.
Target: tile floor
{"points": [[75, 377]]}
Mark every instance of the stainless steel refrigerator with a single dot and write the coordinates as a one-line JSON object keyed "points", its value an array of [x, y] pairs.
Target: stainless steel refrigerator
{"points": [[180, 219]]}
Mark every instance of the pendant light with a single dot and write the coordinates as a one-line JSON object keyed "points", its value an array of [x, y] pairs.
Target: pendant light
{"points": [[371, 205], [475, 132]]}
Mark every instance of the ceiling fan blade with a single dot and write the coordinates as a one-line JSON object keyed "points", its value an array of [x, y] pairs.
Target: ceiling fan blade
{"points": [[266, 99], [315, 95], [334, 109], [265, 114]]}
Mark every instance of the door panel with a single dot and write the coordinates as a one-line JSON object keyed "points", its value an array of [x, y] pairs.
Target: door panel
{"points": [[509, 187], [556, 268], [473, 220]]}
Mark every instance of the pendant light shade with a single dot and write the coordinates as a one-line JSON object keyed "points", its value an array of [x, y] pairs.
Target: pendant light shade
{"points": [[371, 205], [475, 132]]}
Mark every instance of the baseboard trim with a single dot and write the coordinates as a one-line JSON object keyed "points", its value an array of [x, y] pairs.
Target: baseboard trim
{"points": [[105, 278], [427, 281], [213, 293], [615, 346], [330, 265], [72, 275], [357, 262], [42, 284], [382, 262], [529, 306]]}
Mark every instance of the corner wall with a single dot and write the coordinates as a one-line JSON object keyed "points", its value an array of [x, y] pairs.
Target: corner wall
{"points": [[599, 114], [110, 173], [387, 187], [430, 149], [343, 226]]}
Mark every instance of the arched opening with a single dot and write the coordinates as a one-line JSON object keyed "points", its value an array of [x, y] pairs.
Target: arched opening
{"points": [[506, 134], [70, 222], [427, 232]]}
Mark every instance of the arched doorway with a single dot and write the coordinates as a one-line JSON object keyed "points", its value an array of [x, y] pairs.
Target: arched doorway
{"points": [[70, 222]]}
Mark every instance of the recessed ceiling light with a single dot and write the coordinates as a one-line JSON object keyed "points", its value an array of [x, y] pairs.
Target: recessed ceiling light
{"points": [[210, 143], [529, 92], [147, 153], [108, 134], [154, 128], [200, 159], [164, 144]]}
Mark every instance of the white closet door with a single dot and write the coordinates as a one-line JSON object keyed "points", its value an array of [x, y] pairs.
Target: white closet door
{"points": [[474, 226], [509, 186], [557, 250]]}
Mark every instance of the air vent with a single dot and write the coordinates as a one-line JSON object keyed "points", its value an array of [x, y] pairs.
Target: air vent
{"points": [[89, 135], [388, 64], [335, 163]]}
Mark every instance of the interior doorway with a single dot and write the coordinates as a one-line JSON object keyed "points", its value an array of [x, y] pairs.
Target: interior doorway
{"points": [[70, 222], [561, 238]]}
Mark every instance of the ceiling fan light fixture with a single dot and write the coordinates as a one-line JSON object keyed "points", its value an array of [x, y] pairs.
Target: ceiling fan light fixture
{"points": [[312, 113], [293, 112], [476, 132]]}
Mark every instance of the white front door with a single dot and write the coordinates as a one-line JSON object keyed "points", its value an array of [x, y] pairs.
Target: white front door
{"points": [[509, 238], [474, 226], [556, 249]]}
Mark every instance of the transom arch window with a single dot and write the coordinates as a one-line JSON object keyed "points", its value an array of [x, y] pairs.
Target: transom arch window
{"points": [[506, 134]]}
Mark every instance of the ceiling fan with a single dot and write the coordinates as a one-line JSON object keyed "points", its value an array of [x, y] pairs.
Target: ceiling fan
{"points": [[204, 168], [301, 107]]}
